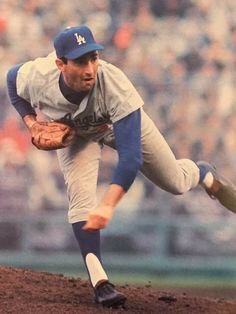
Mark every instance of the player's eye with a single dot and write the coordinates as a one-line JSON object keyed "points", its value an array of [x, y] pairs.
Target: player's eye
{"points": [[80, 61], [94, 58]]}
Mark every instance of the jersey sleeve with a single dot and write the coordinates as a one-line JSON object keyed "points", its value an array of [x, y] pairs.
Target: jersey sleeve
{"points": [[120, 96], [128, 144], [22, 106]]}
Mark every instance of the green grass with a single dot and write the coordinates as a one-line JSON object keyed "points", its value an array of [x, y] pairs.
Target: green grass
{"points": [[166, 281]]}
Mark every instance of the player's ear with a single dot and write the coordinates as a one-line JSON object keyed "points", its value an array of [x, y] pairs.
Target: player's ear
{"points": [[60, 64]]}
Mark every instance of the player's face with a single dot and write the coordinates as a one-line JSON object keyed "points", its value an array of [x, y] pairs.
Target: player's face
{"points": [[80, 74]]}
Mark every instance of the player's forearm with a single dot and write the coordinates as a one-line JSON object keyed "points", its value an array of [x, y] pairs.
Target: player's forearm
{"points": [[112, 197]]}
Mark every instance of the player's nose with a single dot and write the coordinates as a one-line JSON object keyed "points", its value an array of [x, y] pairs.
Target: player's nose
{"points": [[89, 68]]}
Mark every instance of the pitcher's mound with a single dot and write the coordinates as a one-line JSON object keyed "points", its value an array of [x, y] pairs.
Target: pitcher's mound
{"points": [[30, 292]]}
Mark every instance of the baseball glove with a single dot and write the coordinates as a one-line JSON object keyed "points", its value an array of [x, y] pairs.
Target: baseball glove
{"points": [[51, 135]]}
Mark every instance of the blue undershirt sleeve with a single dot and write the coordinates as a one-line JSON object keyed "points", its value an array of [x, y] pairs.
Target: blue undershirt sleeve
{"points": [[128, 144], [22, 106]]}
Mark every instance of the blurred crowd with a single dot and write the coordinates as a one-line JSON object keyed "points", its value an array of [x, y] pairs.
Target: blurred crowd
{"points": [[180, 55]]}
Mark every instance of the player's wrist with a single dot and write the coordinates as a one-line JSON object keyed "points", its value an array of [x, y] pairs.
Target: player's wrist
{"points": [[104, 210], [29, 121]]}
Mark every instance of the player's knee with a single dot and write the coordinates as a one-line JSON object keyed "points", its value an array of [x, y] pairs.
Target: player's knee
{"points": [[176, 188], [176, 191]]}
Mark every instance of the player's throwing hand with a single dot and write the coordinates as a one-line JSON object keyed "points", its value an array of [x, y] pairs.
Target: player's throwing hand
{"points": [[99, 218]]}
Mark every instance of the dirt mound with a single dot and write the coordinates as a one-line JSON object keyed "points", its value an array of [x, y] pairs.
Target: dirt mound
{"points": [[26, 291]]}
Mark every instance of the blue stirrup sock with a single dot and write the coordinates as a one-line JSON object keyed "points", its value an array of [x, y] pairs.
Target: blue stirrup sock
{"points": [[89, 242], [206, 177]]}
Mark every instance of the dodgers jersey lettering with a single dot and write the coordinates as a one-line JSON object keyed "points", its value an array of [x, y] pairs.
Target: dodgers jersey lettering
{"points": [[112, 98]]}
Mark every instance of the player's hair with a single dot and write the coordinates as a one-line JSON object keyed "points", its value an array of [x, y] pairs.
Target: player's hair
{"points": [[64, 60]]}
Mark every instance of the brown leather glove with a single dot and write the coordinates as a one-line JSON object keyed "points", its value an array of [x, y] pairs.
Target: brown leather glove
{"points": [[51, 135]]}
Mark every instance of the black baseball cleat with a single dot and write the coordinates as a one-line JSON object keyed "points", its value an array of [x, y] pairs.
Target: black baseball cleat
{"points": [[222, 189], [106, 295]]}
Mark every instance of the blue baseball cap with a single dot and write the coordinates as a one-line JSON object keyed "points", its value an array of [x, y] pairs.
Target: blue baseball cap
{"points": [[73, 42]]}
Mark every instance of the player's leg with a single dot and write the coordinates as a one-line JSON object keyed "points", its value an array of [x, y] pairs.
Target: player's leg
{"points": [[79, 164], [160, 164], [179, 176]]}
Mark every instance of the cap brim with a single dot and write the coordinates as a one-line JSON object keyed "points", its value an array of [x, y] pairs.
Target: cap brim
{"points": [[80, 51]]}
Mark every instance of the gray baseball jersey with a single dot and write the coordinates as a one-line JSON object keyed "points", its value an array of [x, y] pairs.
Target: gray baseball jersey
{"points": [[112, 98]]}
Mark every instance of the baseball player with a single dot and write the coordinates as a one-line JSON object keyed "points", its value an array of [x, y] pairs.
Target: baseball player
{"points": [[88, 103]]}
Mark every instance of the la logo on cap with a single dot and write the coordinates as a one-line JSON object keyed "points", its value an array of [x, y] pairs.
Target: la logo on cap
{"points": [[80, 39]]}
